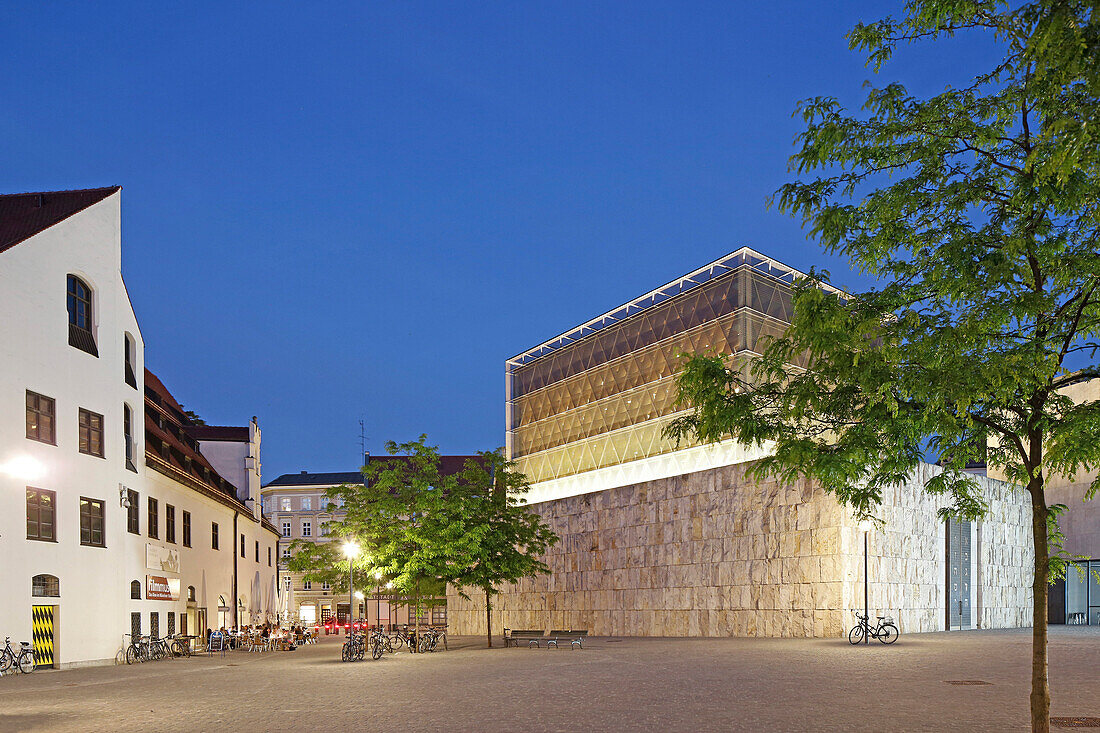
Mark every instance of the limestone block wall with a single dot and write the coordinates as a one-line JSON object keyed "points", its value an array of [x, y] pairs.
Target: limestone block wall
{"points": [[712, 553]]}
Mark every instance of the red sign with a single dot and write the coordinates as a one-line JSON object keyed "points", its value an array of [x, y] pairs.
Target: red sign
{"points": [[159, 588]]}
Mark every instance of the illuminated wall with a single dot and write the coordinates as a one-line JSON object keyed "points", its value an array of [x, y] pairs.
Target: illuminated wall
{"points": [[601, 397]]}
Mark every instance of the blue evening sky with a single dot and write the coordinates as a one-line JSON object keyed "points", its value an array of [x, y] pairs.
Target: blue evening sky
{"points": [[361, 209]]}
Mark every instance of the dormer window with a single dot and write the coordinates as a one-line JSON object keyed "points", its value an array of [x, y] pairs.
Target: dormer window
{"points": [[79, 302]]}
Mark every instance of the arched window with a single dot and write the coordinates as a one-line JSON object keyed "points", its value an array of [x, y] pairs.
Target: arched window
{"points": [[45, 585], [191, 594], [135, 590], [221, 602], [79, 303]]}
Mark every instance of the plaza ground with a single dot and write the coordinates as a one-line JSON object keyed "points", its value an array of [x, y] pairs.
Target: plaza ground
{"points": [[613, 684]]}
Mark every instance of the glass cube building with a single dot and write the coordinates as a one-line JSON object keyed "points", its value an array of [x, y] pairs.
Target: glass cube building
{"points": [[585, 410]]}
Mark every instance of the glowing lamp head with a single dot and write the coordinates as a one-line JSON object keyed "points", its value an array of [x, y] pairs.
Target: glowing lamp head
{"points": [[866, 525], [359, 594], [350, 549]]}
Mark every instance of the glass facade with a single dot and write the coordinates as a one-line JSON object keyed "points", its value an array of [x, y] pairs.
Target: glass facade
{"points": [[601, 394]]}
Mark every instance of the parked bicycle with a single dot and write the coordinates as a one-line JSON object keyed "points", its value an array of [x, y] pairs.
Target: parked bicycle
{"points": [[430, 638], [138, 650], [400, 638], [885, 630], [180, 646], [379, 643], [355, 648], [23, 660]]}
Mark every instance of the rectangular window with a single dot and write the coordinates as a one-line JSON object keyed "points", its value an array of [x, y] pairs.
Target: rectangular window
{"points": [[242, 545], [307, 503], [257, 550], [214, 535], [286, 552], [187, 529], [307, 530], [128, 353], [91, 522], [41, 515], [152, 520], [286, 582], [269, 557], [307, 585], [128, 437], [91, 433], [286, 529], [169, 523], [133, 512], [40, 418], [285, 501], [326, 586]]}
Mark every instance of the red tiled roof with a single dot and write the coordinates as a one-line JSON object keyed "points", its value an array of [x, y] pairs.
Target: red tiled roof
{"points": [[159, 403], [22, 215], [218, 432]]}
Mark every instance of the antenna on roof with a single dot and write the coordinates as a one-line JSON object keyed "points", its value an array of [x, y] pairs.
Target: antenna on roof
{"points": [[362, 438]]}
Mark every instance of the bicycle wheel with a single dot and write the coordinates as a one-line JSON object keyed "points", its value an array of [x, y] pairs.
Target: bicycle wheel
{"points": [[26, 662], [396, 641], [5, 661], [345, 653], [888, 634], [131, 654], [855, 636], [376, 649]]}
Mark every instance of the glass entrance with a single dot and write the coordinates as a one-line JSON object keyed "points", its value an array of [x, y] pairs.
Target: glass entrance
{"points": [[958, 575]]}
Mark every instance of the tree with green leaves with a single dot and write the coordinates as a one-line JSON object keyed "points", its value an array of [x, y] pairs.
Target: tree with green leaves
{"points": [[977, 211], [502, 540]]}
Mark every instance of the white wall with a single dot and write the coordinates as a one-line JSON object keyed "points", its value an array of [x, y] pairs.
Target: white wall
{"points": [[36, 355]]}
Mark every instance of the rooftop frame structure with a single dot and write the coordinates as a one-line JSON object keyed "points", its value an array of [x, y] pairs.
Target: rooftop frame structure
{"points": [[738, 258]]}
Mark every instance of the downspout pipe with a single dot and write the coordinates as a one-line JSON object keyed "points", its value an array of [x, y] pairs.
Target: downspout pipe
{"points": [[236, 597]]}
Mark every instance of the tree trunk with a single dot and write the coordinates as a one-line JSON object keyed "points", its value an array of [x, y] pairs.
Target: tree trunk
{"points": [[488, 619], [1040, 683], [416, 614]]}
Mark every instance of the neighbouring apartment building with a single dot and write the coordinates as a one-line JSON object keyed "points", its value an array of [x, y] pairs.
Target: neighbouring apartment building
{"points": [[112, 521], [297, 506], [675, 540]]}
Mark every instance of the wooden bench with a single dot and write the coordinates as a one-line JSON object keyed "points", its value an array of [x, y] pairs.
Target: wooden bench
{"points": [[513, 637], [575, 637]]}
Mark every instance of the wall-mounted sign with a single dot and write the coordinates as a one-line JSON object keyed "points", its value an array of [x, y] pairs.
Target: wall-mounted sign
{"points": [[162, 558], [159, 588]]}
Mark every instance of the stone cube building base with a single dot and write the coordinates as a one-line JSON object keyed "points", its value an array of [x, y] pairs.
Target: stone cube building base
{"points": [[715, 553]]}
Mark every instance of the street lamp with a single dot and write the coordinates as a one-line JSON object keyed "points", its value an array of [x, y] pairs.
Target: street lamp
{"points": [[865, 525], [350, 551]]}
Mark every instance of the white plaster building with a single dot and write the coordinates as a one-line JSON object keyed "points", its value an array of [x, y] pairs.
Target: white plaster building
{"points": [[77, 472]]}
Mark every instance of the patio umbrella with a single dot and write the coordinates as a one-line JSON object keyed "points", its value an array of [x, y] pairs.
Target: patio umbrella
{"points": [[202, 592], [255, 600]]}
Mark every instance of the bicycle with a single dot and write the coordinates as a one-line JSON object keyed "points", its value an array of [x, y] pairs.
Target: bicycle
{"points": [[354, 649], [180, 646], [379, 643], [885, 631], [430, 638], [160, 649], [399, 638], [138, 650], [23, 660]]}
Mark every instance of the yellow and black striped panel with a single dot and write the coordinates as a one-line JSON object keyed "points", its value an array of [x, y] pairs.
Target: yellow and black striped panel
{"points": [[42, 635]]}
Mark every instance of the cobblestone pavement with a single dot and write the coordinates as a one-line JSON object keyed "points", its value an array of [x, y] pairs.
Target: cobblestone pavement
{"points": [[662, 685]]}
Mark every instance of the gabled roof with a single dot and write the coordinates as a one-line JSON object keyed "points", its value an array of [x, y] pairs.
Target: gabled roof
{"points": [[22, 215], [448, 466]]}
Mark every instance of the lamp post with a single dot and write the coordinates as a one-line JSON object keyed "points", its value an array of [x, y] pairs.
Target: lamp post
{"points": [[378, 597], [350, 551], [359, 597], [865, 525]]}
